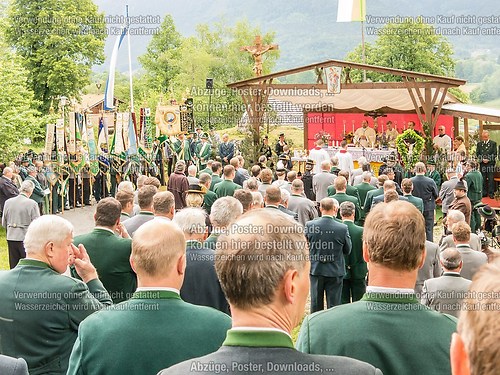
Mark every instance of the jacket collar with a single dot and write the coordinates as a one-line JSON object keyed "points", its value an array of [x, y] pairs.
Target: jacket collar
{"points": [[257, 338], [156, 294], [34, 263]]}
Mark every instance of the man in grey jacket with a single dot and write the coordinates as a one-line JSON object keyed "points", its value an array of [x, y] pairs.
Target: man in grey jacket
{"points": [[18, 214], [445, 293]]}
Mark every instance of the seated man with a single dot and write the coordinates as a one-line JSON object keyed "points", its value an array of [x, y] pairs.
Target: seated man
{"points": [[42, 309], [155, 328], [265, 315], [475, 349], [386, 326]]}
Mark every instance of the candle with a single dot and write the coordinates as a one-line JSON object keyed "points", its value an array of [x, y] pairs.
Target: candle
{"points": [[352, 126], [344, 128]]}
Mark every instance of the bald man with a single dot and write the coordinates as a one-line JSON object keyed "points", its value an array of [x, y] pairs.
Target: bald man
{"points": [[173, 329]]}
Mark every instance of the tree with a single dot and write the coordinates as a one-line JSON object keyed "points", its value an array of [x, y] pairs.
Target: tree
{"points": [[59, 41], [409, 45], [19, 120], [162, 52]]}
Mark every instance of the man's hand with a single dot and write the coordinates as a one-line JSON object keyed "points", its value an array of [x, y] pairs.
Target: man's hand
{"points": [[122, 231], [83, 266]]}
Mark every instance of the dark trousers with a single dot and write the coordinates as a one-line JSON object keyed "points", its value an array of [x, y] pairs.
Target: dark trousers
{"points": [[100, 187], [74, 192], [488, 170], [475, 218], [429, 224], [86, 191], [321, 285], [353, 290], [16, 252]]}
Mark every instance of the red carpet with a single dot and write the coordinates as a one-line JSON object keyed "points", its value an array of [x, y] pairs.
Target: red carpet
{"points": [[493, 203]]}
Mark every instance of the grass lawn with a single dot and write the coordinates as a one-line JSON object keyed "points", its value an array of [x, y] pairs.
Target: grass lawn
{"points": [[4, 254]]}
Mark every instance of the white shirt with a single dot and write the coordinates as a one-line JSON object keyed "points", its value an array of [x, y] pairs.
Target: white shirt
{"points": [[318, 155], [345, 161], [443, 143]]}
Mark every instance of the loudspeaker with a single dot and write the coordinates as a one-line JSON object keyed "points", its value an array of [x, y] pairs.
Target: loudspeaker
{"points": [[209, 83]]}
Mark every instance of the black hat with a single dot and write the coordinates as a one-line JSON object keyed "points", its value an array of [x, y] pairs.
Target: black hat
{"points": [[204, 136], [25, 159], [195, 188], [430, 161], [460, 186], [391, 157], [266, 137], [487, 212], [310, 162], [282, 134]]}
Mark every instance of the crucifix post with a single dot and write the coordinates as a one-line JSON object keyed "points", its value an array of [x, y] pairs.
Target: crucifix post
{"points": [[257, 51]]}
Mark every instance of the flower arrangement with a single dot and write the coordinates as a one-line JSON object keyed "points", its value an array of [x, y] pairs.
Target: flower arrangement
{"points": [[324, 136], [410, 146]]}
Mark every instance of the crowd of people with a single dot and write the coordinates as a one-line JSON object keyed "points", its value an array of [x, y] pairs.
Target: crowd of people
{"points": [[212, 272]]}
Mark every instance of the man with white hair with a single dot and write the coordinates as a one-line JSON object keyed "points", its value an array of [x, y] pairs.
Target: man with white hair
{"points": [[155, 328], [258, 200], [7, 188], [446, 192], [38, 193], [322, 181], [225, 211], [192, 179], [453, 217], [42, 309], [445, 293], [364, 187], [358, 171], [18, 214], [200, 286], [303, 207]]}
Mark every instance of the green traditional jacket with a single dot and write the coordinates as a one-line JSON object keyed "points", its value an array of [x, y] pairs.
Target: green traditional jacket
{"points": [[41, 311], [110, 255], [393, 332], [344, 197], [182, 149], [206, 170], [153, 330], [226, 188], [350, 190], [38, 193], [436, 177], [474, 186], [363, 189], [208, 200], [203, 152], [416, 201], [355, 265], [215, 180]]}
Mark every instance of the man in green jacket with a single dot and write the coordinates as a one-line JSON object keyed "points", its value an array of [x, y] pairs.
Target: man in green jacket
{"points": [[341, 196], [227, 187], [109, 252], [388, 324], [353, 285], [41, 309], [474, 181], [407, 187], [210, 197], [155, 328]]}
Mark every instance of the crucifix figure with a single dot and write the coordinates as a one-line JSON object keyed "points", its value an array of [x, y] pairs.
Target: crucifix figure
{"points": [[257, 51]]}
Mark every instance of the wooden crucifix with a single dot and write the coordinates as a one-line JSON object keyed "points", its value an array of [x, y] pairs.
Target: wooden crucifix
{"points": [[257, 50]]}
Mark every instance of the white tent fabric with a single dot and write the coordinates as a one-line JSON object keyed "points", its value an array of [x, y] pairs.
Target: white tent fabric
{"points": [[364, 99]]}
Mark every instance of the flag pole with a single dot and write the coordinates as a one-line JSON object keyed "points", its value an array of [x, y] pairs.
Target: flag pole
{"points": [[130, 66], [363, 37]]}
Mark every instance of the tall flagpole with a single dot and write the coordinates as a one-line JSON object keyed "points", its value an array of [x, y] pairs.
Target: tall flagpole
{"points": [[363, 37], [130, 66]]}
